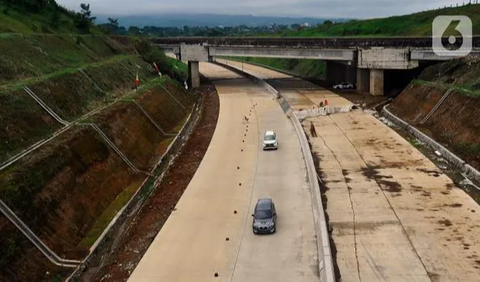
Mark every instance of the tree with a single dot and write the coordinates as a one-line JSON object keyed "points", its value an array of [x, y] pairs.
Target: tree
{"points": [[86, 13], [55, 18], [134, 30], [113, 22], [111, 27], [84, 18]]}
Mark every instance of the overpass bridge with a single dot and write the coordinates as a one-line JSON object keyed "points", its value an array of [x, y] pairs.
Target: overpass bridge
{"points": [[359, 60]]}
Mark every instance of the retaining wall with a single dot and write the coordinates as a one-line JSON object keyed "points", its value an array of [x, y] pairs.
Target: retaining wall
{"points": [[323, 111]]}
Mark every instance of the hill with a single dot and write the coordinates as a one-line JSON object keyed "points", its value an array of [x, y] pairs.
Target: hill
{"points": [[65, 97], [58, 174], [418, 24], [209, 20], [43, 16], [443, 103]]}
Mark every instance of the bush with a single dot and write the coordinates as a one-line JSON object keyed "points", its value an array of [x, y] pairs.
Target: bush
{"points": [[167, 66]]}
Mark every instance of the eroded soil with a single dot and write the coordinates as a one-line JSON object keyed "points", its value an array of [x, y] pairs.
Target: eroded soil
{"points": [[129, 247]]}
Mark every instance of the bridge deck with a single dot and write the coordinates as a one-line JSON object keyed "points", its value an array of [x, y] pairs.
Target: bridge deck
{"points": [[303, 42]]}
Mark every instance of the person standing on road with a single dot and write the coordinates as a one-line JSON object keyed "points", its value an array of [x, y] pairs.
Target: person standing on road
{"points": [[313, 131]]}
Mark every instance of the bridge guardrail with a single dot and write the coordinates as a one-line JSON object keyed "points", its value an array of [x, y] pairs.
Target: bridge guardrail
{"points": [[332, 42]]}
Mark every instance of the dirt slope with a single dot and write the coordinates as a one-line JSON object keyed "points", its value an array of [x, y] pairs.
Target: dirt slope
{"points": [[455, 122]]}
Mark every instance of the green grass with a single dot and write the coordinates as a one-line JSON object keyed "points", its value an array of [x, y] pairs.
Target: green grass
{"points": [[462, 89], [417, 24], [107, 216], [465, 148], [16, 85], [180, 125], [17, 20], [35, 55], [144, 87], [167, 141]]}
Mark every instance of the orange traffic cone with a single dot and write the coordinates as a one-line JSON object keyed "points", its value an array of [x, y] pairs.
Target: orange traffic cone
{"points": [[326, 102]]}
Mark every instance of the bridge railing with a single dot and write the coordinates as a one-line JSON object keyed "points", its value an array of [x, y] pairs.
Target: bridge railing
{"points": [[303, 42]]}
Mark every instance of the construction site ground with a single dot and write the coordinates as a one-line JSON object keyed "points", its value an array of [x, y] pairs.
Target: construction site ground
{"points": [[209, 237], [394, 215]]}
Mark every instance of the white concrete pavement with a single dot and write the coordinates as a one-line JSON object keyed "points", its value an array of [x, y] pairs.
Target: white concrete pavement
{"points": [[395, 216], [192, 245]]}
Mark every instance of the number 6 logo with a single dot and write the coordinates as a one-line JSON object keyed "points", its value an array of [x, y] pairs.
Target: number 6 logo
{"points": [[452, 36]]}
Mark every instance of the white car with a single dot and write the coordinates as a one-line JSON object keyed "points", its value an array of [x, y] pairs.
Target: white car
{"points": [[343, 85], [270, 141]]}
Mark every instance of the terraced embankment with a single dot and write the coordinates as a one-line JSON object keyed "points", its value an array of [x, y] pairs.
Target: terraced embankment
{"points": [[69, 189]]}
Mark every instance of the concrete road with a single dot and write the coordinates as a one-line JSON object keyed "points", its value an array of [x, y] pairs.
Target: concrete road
{"points": [[219, 201], [300, 94], [395, 216]]}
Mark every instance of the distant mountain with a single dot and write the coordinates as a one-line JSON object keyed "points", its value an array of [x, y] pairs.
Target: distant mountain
{"points": [[210, 20]]}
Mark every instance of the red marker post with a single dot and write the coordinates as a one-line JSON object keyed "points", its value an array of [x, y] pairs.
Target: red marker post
{"points": [[157, 69], [136, 82]]}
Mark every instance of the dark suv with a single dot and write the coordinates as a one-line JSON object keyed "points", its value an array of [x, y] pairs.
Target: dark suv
{"points": [[264, 217]]}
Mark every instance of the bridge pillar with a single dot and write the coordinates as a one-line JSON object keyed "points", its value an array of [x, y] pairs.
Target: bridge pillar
{"points": [[334, 73], [376, 82], [351, 74], [363, 80], [193, 74]]}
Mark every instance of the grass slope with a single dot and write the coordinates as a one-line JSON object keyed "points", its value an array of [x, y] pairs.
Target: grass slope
{"points": [[418, 24], [14, 19]]}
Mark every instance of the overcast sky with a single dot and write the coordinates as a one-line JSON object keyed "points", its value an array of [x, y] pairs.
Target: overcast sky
{"points": [[294, 8]]}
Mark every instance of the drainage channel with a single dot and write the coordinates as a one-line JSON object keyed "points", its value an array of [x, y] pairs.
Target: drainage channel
{"points": [[45, 106]]}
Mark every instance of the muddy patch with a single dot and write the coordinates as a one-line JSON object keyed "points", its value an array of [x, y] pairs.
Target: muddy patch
{"points": [[347, 227], [446, 222], [434, 173], [433, 276], [371, 172]]}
